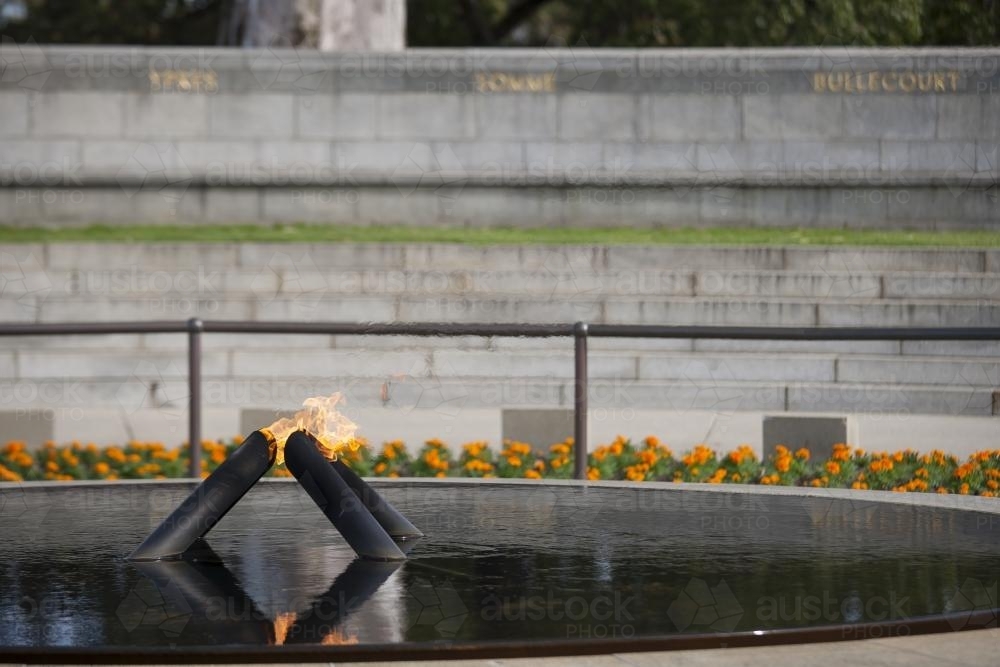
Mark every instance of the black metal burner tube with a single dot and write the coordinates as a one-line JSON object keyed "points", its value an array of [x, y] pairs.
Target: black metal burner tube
{"points": [[204, 589], [397, 525], [338, 501], [348, 592], [208, 503]]}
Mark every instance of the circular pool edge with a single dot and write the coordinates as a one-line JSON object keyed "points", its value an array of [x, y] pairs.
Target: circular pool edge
{"points": [[472, 650]]}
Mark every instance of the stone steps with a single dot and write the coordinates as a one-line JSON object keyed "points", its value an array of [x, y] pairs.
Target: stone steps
{"points": [[454, 379], [796, 312], [279, 257], [789, 286], [157, 343], [451, 398], [712, 367], [266, 285]]}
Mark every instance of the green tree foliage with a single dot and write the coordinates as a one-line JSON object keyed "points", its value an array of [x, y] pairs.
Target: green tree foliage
{"points": [[117, 22], [748, 22], [598, 23], [962, 22]]}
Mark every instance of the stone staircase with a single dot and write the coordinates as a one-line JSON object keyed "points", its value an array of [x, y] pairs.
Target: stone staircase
{"points": [[790, 286]]}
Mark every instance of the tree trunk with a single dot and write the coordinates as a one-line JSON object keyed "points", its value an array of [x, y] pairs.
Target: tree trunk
{"points": [[258, 23], [362, 25]]}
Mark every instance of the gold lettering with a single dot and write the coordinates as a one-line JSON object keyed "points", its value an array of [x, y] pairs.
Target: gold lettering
{"points": [[503, 82], [185, 81], [888, 82]]}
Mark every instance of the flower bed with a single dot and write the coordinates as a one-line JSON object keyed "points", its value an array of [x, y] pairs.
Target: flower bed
{"points": [[622, 459]]}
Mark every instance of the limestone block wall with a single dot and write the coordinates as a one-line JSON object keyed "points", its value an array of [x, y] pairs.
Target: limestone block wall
{"points": [[110, 388], [805, 137]]}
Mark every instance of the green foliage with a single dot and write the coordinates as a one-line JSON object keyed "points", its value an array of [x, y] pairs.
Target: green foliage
{"points": [[961, 22], [598, 23], [748, 23], [147, 22]]}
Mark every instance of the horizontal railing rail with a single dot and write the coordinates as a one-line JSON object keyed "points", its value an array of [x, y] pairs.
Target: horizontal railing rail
{"points": [[579, 331]]}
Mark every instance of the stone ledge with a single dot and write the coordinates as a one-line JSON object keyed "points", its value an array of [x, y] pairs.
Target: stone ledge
{"points": [[408, 180]]}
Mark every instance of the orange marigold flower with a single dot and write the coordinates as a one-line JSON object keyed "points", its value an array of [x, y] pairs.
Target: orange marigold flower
{"points": [[841, 452], [881, 465], [742, 453]]}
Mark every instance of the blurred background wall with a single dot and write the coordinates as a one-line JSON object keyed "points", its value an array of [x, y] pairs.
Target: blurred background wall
{"points": [[823, 136]]}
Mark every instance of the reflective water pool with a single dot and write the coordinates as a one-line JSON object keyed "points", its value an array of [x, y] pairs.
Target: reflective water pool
{"points": [[498, 562]]}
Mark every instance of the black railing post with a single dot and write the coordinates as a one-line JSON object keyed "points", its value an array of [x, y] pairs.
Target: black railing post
{"points": [[580, 400], [194, 326]]}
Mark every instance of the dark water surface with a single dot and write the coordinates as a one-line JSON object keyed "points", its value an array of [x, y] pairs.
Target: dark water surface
{"points": [[498, 562]]}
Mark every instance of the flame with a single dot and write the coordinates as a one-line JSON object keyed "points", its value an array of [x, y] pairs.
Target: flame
{"points": [[335, 638], [319, 416], [282, 624]]}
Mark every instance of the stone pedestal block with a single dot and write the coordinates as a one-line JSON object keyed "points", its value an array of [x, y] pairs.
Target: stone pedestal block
{"points": [[33, 426], [540, 428], [817, 434]]}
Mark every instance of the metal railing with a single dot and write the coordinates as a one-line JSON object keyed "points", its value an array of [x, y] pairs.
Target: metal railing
{"points": [[580, 332]]}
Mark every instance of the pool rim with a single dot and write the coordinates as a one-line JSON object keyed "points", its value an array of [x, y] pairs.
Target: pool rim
{"points": [[470, 650]]}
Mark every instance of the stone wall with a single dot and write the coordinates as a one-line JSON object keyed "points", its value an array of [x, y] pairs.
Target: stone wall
{"points": [[943, 394], [805, 137]]}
